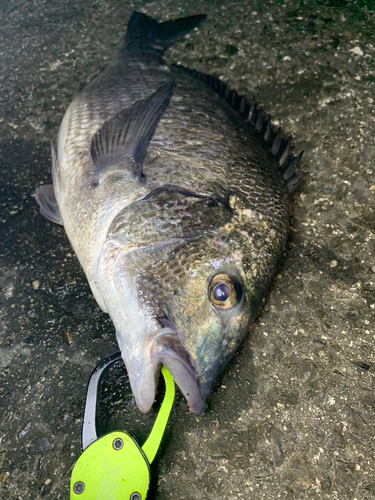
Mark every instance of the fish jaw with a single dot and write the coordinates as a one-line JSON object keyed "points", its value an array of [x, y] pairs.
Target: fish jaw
{"points": [[168, 350], [142, 372], [162, 347]]}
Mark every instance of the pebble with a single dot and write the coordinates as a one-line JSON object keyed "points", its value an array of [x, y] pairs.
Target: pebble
{"points": [[24, 431], [4, 476], [36, 284], [357, 51]]}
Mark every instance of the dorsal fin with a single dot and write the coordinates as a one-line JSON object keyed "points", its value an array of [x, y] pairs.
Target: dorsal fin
{"points": [[254, 118], [129, 133]]}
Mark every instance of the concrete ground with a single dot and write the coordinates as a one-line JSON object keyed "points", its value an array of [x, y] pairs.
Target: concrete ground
{"points": [[292, 416]]}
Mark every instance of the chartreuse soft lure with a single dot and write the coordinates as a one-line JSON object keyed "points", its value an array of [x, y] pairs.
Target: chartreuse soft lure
{"points": [[115, 466]]}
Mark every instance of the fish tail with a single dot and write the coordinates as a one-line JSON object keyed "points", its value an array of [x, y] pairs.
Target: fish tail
{"points": [[148, 38]]}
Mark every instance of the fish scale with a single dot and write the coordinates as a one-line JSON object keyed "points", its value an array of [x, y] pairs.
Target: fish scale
{"points": [[174, 193]]}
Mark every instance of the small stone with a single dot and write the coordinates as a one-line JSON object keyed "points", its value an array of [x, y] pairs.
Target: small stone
{"points": [[36, 284], [67, 335], [4, 476], [43, 444], [323, 314], [24, 431], [357, 51], [333, 263]]}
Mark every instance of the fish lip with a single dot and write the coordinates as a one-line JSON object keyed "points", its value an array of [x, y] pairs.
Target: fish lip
{"points": [[168, 349]]}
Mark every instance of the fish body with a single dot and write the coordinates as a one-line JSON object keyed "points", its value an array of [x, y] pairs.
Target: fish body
{"points": [[174, 195]]}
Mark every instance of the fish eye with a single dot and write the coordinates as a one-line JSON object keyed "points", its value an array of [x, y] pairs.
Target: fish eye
{"points": [[224, 291]]}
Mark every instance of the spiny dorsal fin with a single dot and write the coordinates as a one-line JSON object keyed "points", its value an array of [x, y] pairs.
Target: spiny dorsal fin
{"points": [[267, 132], [129, 133], [254, 117], [285, 153], [289, 166], [294, 181], [259, 122], [276, 142]]}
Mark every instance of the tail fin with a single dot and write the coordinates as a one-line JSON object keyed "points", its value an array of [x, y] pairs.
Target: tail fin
{"points": [[147, 37]]}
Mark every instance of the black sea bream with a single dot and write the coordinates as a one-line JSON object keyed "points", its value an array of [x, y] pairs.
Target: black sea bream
{"points": [[174, 195]]}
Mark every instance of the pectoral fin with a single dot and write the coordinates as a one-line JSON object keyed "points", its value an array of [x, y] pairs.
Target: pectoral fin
{"points": [[45, 196], [129, 133]]}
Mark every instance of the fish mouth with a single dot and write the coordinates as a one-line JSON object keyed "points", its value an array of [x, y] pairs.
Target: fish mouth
{"points": [[167, 349]]}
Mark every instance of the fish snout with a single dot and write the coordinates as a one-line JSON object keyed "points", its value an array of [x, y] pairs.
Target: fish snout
{"points": [[168, 350]]}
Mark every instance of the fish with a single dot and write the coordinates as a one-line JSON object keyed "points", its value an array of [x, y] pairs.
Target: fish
{"points": [[174, 194]]}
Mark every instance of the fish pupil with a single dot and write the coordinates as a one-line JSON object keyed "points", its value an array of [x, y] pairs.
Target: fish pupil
{"points": [[222, 292]]}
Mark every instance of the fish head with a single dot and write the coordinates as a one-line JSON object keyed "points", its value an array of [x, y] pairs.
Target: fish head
{"points": [[185, 302], [207, 303]]}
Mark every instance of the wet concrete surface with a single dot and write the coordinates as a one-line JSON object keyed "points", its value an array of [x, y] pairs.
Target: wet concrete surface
{"points": [[292, 416]]}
